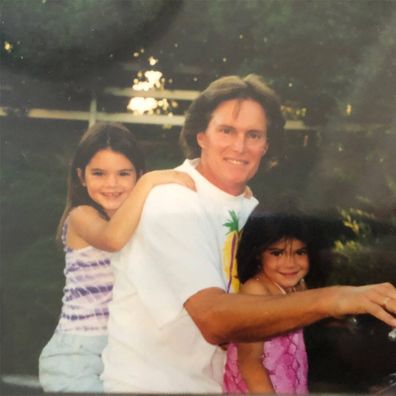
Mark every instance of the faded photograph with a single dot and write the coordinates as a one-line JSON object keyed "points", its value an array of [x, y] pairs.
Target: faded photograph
{"points": [[279, 115]]}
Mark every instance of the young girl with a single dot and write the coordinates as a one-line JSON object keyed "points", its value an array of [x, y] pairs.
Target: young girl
{"points": [[104, 203], [274, 256]]}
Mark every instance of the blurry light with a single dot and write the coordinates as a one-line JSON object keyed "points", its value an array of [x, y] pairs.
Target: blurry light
{"points": [[152, 61], [153, 77], [170, 81], [142, 50], [176, 45], [195, 79], [241, 36], [348, 109], [142, 86], [224, 60], [135, 54], [141, 105], [8, 46], [290, 84]]}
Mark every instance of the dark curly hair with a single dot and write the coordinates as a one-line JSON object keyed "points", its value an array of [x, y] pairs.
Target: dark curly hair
{"points": [[263, 230]]}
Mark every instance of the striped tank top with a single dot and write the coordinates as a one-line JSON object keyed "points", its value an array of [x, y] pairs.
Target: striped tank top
{"points": [[87, 292]]}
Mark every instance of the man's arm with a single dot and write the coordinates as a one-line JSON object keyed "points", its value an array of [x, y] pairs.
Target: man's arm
{"points": [[223, 317]]}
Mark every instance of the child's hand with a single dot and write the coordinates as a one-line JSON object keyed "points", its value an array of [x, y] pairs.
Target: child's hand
{"points": [[170, 176]]}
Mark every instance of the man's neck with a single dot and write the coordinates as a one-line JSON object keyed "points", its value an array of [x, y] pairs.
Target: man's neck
{"points": [[211, 178]]}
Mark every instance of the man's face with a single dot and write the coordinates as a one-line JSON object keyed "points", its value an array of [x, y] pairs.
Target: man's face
{"points": [[233, 143]]}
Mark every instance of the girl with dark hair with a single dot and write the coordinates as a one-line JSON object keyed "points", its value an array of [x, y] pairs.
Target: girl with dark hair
{"points": [[275, 254], [105, 197]]}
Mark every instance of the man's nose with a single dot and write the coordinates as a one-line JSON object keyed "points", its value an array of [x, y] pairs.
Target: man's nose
{"points": [[239, 143]]}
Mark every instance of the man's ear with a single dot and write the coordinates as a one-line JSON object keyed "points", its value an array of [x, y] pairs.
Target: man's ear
{"points": [[201, 137], [265, 148], [81, 176]]}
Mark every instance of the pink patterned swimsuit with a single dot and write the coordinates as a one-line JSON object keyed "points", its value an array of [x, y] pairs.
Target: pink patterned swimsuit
{"points": [[285, 359]]}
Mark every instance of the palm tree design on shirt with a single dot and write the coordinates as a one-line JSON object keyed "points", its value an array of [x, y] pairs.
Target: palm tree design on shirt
{"points": [[229, 252]]}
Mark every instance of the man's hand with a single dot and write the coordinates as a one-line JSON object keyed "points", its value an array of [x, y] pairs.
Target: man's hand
{"points": [[378, 300]]}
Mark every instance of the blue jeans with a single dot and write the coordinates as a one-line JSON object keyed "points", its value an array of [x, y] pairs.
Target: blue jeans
{"points": [[72, 363]]}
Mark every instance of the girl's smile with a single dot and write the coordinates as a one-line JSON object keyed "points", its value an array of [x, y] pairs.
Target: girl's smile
{"points": [[109, 178], [285, 262]]}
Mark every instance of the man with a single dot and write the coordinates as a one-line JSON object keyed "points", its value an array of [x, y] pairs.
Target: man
{"points": [[171, 308]]}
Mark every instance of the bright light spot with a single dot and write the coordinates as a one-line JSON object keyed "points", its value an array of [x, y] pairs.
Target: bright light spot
{"points": [[142, 86], [142, 105], [348, 109], [170, 81], [224, 60], [195, 78], [290, 84], [176, 45], [153, 77], [7, 46], [152, 61], [135, 54], [150, 80], [142, 50], [241, 36]]}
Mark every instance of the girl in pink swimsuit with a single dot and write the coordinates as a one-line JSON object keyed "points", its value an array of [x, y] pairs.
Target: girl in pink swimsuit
{"points": [[273, 258]]}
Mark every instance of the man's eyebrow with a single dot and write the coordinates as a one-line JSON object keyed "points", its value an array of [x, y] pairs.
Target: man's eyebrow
{"points": [[263, 131]]}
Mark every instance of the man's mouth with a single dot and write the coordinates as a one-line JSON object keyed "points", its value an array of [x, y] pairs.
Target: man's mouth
{"points": [[236, 161]]}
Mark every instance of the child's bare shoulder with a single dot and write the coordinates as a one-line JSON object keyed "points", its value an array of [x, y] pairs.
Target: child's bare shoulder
{"points": [[82, 211], [254, 286]]}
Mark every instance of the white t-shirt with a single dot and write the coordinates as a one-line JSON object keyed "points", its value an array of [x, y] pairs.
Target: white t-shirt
{"points": [[177, 250]]}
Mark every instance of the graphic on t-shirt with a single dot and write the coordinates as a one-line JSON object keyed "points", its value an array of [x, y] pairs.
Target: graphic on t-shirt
{"points": [[229, 252]]}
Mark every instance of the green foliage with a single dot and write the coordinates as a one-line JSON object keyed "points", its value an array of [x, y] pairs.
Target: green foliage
{"points": [[62, 38], [370, 256]]}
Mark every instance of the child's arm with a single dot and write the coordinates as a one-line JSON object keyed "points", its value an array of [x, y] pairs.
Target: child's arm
{"points": [[250, 355], [87, 227], [251, 367]]}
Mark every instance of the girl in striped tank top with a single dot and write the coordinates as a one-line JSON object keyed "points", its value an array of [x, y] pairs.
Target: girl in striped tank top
{"points": [[106, 193]]}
